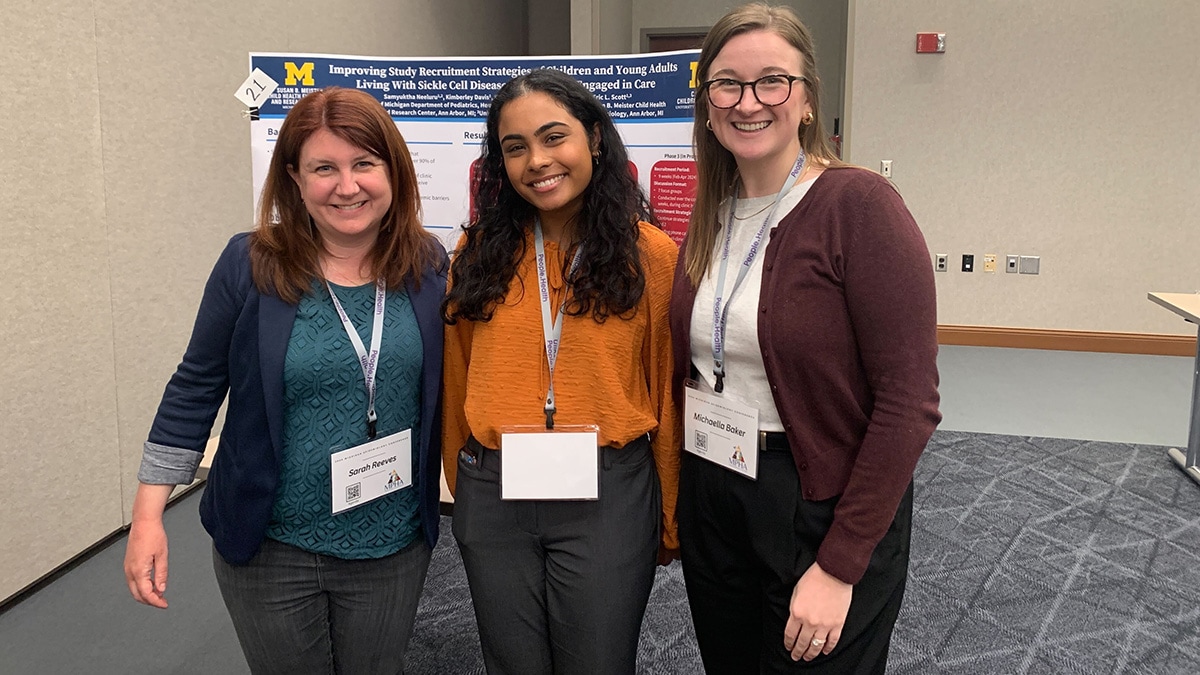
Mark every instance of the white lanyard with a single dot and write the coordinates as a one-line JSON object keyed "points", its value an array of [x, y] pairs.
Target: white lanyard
{"points": [[368, 361], [551, 328], [720, 309]]}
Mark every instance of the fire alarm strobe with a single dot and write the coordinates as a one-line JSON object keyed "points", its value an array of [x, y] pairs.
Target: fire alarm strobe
{"points": [[931, 43]]}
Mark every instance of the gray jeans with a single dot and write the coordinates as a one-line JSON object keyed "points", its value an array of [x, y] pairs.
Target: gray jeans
{"points": [[560, 587], [299, 612]]}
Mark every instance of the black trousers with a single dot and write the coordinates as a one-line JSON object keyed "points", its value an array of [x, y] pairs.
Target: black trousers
{"points": [[746, 543], [560, 586]]}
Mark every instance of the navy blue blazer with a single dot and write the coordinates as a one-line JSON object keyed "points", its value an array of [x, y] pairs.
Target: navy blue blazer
{"points": [[237, 347]]}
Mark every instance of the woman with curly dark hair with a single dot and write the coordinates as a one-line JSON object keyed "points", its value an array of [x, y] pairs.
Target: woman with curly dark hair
{"points": [[561, 436]]}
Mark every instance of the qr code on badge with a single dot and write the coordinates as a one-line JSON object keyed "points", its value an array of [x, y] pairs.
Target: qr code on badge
{"points": [[353, 492], [701, 441]]}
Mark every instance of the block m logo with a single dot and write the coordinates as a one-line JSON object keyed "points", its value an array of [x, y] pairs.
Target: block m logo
{"points": [[301, 75]]}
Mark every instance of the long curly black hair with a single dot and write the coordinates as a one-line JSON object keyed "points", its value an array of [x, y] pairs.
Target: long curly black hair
{"points": [[609, 280]]}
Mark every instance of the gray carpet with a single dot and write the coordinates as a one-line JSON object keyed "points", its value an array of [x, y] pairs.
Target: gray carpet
{"points": [[1036, 555], [1030, 555]]}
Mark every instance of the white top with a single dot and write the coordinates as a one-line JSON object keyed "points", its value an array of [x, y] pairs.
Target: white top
{"points": [[745, 375]]}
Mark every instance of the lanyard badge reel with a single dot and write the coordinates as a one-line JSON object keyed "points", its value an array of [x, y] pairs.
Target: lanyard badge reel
{"points": [[554, 461], [718, 427], [383, 464]]}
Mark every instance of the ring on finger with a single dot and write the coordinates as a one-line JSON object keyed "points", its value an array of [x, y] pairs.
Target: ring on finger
{"points": [[817, 643]]}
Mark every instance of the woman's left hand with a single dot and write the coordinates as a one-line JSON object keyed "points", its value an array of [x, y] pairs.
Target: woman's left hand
{"points": [[819, 606]]}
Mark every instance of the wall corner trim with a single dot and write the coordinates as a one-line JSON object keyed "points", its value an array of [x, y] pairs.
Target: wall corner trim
{"points": [[1157, 344]]}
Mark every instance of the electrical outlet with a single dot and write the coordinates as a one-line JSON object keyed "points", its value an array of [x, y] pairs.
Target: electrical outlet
{"points": [[1030, 264], [968, 262], [885, 168], [989, 262], [939, 262], [1010, 264]]}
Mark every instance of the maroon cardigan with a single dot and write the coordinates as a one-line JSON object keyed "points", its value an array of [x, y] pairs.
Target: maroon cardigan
{"points": [[848, 332]]}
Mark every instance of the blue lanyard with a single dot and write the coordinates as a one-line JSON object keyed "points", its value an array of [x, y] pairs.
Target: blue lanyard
{"points": [[551, 328], [720, 307], [368, 361]]}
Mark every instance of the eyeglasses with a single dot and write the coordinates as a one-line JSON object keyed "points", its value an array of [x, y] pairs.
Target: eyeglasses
{"points": [[769, 90]]}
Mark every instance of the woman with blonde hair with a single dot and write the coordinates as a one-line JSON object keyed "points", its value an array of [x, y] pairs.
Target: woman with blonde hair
{"points": [[803, 316]]}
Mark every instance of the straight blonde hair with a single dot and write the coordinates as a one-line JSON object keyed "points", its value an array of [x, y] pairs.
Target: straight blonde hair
{"points": [[715, 166]]}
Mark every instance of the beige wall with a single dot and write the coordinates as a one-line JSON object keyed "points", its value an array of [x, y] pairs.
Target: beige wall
{"points": [[60, 470], [1063, 129], [127, 167]]}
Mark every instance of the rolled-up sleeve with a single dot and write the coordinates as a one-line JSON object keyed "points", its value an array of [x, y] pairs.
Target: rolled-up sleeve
{"points": [[183, 423], [164, 465]]}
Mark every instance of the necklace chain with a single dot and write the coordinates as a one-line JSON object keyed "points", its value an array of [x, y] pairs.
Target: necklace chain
{"points": [[751, 215]]}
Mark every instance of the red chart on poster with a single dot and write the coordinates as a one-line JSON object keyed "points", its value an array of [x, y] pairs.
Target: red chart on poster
{"points": [[672, 194]]}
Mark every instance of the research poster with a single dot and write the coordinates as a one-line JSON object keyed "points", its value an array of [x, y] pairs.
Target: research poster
{"points": [[440, 105]]}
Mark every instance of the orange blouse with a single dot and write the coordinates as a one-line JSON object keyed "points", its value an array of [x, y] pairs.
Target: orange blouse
{"points": [[615, 374]]}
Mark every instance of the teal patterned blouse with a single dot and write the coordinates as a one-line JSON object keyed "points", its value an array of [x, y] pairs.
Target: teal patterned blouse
{"points": [[325, 410]]}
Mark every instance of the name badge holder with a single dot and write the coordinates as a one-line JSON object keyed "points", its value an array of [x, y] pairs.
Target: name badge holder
{"points": [[721, 430], [562, 463], [368, 471]]}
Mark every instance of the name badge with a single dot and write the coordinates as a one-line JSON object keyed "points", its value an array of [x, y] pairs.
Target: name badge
{"points": [[369, 471], [721, 430], [563, 464]]}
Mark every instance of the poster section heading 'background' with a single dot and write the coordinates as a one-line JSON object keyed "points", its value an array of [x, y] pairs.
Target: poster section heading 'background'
{"points": [[440, 105]]}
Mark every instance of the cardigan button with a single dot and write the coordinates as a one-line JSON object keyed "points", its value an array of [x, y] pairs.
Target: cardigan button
{"points": [[763, 310], [804, 466]]}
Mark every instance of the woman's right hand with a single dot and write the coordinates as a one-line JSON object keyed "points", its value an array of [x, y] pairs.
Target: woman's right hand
{"points": [[146, 563], [146, 552]]}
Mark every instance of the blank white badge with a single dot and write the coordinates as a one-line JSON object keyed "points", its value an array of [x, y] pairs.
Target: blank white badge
{"points": [[549, 465]]}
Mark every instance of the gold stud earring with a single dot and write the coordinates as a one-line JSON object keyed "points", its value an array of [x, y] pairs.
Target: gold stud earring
{"points": [[808, 118]]}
